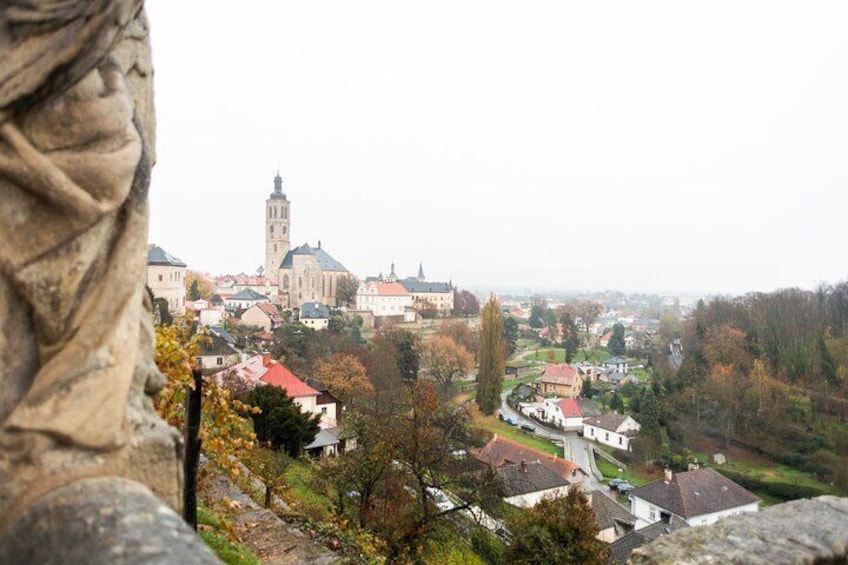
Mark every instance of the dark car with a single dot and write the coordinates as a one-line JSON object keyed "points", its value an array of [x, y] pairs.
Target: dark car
{"points": [[528, 428], [613, 484], [500, 416], [625, 488]]}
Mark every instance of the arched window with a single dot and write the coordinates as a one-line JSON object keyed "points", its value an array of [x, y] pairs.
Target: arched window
{"points": [[286, 282], [270, 212], [285, 229], [275, 248], [272, 229], [299, 282]]}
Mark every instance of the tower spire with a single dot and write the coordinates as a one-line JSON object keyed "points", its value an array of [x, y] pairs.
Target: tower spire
{"points": [[421, 272], [278, 183]]}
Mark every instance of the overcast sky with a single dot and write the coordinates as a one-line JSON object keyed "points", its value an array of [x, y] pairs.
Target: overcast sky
{"points": [[574, 145]]}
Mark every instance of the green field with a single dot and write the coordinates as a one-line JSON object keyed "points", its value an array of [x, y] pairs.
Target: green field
{"points": [[494, 426]]}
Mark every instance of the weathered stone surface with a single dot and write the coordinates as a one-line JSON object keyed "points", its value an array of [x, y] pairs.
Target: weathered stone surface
{"points": [[802, 531], [76, 342], [96, 521]]}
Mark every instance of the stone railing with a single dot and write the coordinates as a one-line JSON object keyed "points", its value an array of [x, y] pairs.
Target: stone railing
{"points": [[802, 531]]}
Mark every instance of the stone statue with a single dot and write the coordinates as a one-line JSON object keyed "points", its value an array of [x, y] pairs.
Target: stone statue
{"points": [[76, 339]]}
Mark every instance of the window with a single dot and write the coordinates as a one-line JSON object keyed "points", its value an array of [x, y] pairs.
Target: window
{"points": [[606, 436], [652, 515], [275, 248], [272, 229], [219, 361], [160, 278], [619, 440], [324, 410]]}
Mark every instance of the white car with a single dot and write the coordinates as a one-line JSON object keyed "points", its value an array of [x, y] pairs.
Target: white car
{"points": [[440, 499]]}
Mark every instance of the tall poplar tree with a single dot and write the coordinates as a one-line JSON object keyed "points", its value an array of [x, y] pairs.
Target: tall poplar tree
{"points": [[490, 376]]}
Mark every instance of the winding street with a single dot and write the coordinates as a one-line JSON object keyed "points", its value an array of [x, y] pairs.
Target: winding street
{"points": [[575, 449]]}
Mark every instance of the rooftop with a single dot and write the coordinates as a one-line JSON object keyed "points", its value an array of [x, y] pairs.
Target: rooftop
{"points": [[500, 451], [325, 262], [158, 256]]}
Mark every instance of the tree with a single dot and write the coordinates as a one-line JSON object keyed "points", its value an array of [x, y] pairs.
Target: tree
{"points": [[344, 375], [587, 389], [570, 336], [407, 344], [346, 288], [617, 345], [589, 312], [558, 530], [537, 315], [461, 334], [199, 287], [465, 304], [194, 290], [510, 331], [490, 375], [280, 422], [444, 360], [269, 465], [426, 309]]}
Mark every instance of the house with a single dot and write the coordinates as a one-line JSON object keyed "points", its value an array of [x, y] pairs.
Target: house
{"points": [[166, 278], [500, 452], [589, 407], [261, 370], [385, 300], [613, 520], [216, 353], [327, 405], [564, 413], [699, 497], [264, 315], [612, 429], [439, 294], [617, 379], [605, 339], [244, 299], [560, 380], [621, 548], [615, 364], [314, 315], [528, 482]]}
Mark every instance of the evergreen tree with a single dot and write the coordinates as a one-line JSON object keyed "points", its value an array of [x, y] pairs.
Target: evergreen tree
{"points": [[194, 290], [510, 334], [616, 344], [490, 376], [280, 422], [558, 530], [570, 336]]}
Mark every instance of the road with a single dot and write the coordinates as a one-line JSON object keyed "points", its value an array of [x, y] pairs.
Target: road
{"points": [[575, 449]]}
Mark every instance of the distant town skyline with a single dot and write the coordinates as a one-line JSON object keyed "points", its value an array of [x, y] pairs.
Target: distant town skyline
{"points": [[552, 145]]}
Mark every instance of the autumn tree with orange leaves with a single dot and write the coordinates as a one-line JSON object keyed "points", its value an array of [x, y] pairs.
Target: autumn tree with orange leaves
{"points": [[443, 360]]}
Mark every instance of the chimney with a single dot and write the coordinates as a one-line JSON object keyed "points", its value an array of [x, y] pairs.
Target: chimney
{"points": [[668, 475], [266, 358], [523, 466]]}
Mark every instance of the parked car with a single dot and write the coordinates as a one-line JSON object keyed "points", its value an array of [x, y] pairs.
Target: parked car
{"points": [[625, 488], [440, 499], [613, 484], [528, 428], [511, 422]]}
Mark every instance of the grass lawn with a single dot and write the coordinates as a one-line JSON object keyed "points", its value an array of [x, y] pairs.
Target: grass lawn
{"points": [[300, 479], [610, 471], [494, 426], [547, 355]]}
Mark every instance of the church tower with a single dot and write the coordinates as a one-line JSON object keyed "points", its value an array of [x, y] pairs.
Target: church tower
{"points": [[277, 236]]}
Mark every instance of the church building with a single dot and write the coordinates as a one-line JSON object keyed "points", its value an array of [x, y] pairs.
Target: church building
{"points": [[302, 274]]}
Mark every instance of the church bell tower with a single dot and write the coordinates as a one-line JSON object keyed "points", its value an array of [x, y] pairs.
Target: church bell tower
{"points": [[277, 236]]}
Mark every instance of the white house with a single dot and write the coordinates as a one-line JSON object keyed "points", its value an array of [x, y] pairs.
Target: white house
{"points": [[562, 412], [616, 364], [700, 497], [244, 299], [612, 429], [383, 299], [528, 482], [166, 278], [314, 315]]}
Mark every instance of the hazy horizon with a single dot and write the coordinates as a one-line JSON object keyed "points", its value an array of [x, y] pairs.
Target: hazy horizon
{"points": [[543, 145]]}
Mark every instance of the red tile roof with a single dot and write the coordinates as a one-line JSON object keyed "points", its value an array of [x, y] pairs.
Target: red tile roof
{"points": [[499, 452], [272, 311], [570, 408], [391, 289], [279, 376], [563, 374]]}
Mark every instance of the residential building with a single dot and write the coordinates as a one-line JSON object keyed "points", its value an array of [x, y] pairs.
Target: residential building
{"points": [[616, 364], [314, 315], [166, 278], [564, 413], [384, 299], [561, 380], [528, 482], [612, 429], [439, 294], [216, 353], [264, 315], [699, 497], [244, 299], [621, 548], [501, 451], [613, 520]]}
